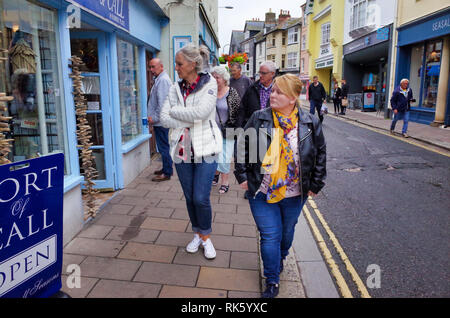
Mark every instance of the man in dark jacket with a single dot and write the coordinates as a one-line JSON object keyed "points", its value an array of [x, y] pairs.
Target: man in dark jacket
{"points": [[400, 102], [257, 95], [317, 96]]}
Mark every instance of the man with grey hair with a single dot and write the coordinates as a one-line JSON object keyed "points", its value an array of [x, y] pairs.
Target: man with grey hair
{"points": [[158, 95], [401, 105], [257, 96], [239, 81]]}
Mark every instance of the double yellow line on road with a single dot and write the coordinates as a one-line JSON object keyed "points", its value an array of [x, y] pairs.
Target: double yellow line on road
{"points": [[340, 281]]}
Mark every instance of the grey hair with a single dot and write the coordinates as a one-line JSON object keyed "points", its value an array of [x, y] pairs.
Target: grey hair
{"points": [[197, 55], [222, 72], [404, 80], [270, 65]]}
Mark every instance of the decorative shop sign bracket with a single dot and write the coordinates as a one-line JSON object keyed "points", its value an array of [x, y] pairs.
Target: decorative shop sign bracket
{"points": [[31, 226]]}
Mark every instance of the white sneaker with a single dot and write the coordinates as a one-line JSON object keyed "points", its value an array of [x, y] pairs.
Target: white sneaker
{"points": [[193, 246], [209, 251]]}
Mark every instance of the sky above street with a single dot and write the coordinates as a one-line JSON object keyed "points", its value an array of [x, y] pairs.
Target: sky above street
{"points": [[247, 10]]}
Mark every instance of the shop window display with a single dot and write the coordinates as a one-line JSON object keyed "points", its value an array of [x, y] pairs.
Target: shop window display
{"points": [[129, 91], [31, 75], [432, 71]]}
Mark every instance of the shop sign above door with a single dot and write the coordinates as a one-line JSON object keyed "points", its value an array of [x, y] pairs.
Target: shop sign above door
{"points": [[112, 11], [379, 36]]}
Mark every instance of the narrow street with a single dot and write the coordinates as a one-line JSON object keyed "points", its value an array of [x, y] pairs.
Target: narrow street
{"points": [[387, 202]]}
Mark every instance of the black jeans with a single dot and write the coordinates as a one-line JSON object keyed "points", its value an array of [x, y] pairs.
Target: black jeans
{"points": [[316, 105], [337, 106]]}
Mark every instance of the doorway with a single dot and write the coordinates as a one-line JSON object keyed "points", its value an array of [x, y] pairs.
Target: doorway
{"points": [[91, 47]]}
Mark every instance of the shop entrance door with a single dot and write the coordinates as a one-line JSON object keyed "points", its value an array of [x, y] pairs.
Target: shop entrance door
{"points": [[91, 48]]}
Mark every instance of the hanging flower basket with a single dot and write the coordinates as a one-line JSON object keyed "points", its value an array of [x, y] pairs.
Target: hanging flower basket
{"points": [[240, 58]]}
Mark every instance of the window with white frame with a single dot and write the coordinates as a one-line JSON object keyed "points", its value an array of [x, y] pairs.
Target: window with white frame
{"points": [[326, 30], [260, 49], [304, 42], [292, 60], [358, 17], [293, 35], [303, 65]]}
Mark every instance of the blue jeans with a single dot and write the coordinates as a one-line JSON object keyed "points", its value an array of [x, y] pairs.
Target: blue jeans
{"points": [[162, 141], [225, 156], [316, 105], [276, 224], [401, 116], [196, 180]]}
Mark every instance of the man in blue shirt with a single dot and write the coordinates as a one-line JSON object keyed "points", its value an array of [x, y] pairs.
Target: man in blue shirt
{"points": [[158, 95]]}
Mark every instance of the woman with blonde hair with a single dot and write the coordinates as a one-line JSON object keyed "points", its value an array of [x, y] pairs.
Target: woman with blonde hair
{"points": [[293, 168], [195, 140]]}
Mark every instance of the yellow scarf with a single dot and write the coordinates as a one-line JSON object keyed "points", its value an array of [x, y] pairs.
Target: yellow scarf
{"points": [[279, 160]]}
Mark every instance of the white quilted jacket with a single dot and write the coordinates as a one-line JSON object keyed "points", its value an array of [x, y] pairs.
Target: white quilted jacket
{"points": [[198, 114]]}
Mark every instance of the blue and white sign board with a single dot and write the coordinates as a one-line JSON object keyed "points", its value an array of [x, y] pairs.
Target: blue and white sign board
{"points": [[369, 100], [112, 11], [31, 224]]}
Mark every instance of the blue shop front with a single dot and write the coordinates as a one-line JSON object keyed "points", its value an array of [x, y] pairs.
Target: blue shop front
{"points": [[115, 39], [423, 53]]}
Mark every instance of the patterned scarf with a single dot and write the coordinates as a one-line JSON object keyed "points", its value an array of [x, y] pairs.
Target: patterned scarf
{"points": [[279, 160]]}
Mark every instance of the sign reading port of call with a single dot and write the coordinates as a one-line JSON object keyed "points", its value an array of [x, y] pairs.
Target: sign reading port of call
{"points": [[31, 223]]}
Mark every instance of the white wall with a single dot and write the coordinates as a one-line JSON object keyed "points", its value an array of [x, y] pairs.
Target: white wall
{"points": [[73, 214], [384, 10], [135, 161]]}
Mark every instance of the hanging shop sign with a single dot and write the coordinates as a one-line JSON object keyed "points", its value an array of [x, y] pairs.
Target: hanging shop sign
{"points": [[31, 223], [113, 11]]}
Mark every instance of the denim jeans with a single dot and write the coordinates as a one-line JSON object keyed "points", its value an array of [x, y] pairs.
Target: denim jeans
{"points": [[316, 105], [196, 180], [162, 141], [276, 224], [225, 156], [401, 116]]}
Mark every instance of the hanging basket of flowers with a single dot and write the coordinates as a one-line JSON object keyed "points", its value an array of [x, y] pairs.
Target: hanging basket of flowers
{"points": [[240, 58]]}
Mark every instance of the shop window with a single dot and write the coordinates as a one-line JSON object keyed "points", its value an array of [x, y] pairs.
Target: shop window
{"points": [[129, 90], [31, 75], [415, 77], [431, 74]]}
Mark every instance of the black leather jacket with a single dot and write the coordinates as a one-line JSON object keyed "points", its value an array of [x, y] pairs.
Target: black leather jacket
{"points": [[311, 145]]}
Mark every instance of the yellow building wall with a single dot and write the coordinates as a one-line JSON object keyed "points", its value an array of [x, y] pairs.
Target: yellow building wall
{"points": [[410, 10], [336, 18]]}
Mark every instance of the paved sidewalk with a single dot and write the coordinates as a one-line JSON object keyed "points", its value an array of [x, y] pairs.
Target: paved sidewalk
{"points": [[435, 136], [136, 247]]}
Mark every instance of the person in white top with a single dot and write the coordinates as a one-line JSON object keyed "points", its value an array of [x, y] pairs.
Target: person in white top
{"points": [[195, 140]]}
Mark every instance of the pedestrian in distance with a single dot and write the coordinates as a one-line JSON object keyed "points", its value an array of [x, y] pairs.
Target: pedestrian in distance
{"points": [[280, 183], [227, 108], [158, 95], [317, 96], [238, 81], [344, 101], [401, 105], [337, 98], [195, 140]]}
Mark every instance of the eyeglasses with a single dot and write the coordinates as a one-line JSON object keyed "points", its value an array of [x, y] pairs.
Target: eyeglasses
{"points": [[264, 73]]}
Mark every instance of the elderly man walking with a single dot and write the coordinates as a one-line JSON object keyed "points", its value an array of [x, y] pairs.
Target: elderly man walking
{"points": [[401, 105], [257, 96], [238, 81], [158, 95]]}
